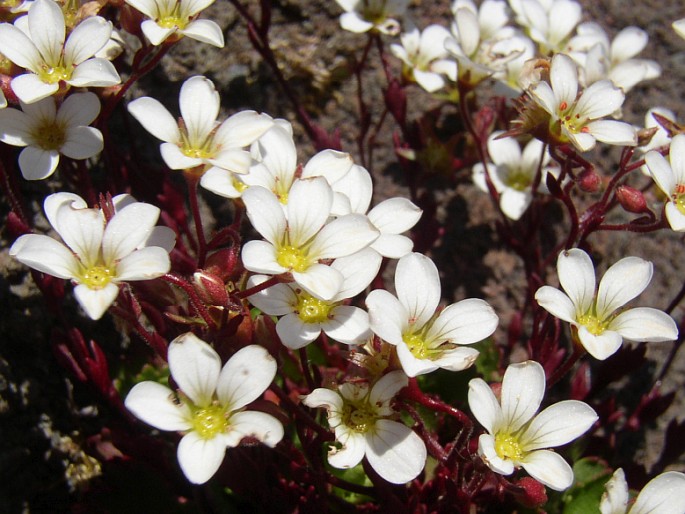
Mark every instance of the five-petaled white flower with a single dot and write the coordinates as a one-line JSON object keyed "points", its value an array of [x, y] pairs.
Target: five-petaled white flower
{"points": [[177, 17], [98, 255], [365, 15], [47, 131], [300, 235], [595, 313], [664, 494], [576, 119], [37, 43], [517, 437], [671, 179], [209, 404], [548, 22], [426, 338], [513, 172], [360, 417], [198, 139]]}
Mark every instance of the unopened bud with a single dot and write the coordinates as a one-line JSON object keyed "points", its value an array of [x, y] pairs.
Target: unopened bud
{"points": [[631, 199], [210, 288], [222, 263], [589, 181], [645, 135], [534, 493]]}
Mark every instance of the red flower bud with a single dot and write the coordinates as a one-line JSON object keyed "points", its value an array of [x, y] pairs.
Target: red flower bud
{"points": [[534, 493], [210, 288], [631, 199], [589, 181]]}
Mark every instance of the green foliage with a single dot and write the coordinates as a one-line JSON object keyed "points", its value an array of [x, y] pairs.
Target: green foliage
{"points": [[584, 496]]}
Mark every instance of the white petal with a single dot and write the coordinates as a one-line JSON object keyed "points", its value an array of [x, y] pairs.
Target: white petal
{"points": [[487, 452], [621, 283], [295, 333], [392, 246], [602, 346], [514, 203], [412, 365], [664, 494], [343, 236], [156, 34], [464, 322], [235, 161], [176, 159], [322, 397], [163, 237], [387, 387], [543, 95], [549, 468], [309, 205], [661, 172], [82, 143], [200, 458], [265, 213], [144, 264], [354, 23], [195, 367], [55, 201], [349, 325], [15, 127], [615, 497], [95, 72], [330, 164], [677, 157], [523, 387], [87, 38], [645, 324], [81, 230], [155, 404], [245, 376], [258, 425], [564, 79], [155, 118], [418, 287], [18, 48], [558, 424], [577, 277], [128, 230], [199, 102], [96, 301], [358, 270], [386, 316], [505, 151], [456, 359], [46, 25], [628, 43], [205, 31], [79, 109], [351, 453], [357, 186], [613, 132], [260, 257], [394, 215], [395, 452], [37, 164], [676, 219], [221, 182], [320, 281], [45, 255], [277, 300], [428, 80], [242, 129], [600, 99], [484, 405]]}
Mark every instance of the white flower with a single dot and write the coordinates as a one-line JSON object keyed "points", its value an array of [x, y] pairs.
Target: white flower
{"points": [[177, 17], [198, 139], [513, 172], [661, 137], [664, 494], [428, 339], [360, 419], [365, 15], [303, 317], [548, 22], [424, 56], [679, 27], [300, 235], [575, 118], [98, 255], [671, 180], [516, 436], [43, 51], [209, 404], [614, 60], [595, 313], [47, 131]]}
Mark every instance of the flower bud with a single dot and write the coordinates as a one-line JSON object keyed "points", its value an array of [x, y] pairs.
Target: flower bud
{"points": [[210, 288], [534, 494], [589, 181], [222, 263], [631, 199]]}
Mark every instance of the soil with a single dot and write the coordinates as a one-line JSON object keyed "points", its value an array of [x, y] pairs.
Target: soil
{"points": [[46, 415]]}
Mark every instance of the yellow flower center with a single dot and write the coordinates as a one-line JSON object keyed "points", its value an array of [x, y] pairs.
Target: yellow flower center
{"points": [[54, 75], [210, 421], [678, 198], [518, 180], [97, 277], [359, 417], [508, 446], [49, 135], [293, 258], [593, 324], [173, 18], [312, 310], [417, 346]]}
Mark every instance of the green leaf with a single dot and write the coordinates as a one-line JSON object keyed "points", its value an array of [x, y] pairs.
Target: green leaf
{"points": [[591, 474]]}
